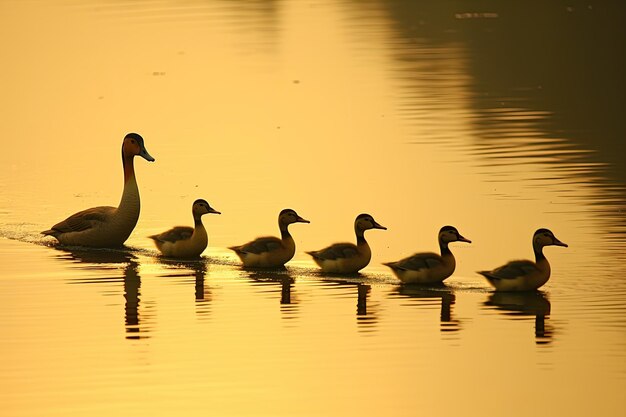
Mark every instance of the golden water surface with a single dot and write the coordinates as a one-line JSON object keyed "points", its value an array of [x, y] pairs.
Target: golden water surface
{"points": [[497, 119]]}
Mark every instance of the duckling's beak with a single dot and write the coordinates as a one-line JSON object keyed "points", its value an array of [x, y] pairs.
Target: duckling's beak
{"points": [[145, 155], [378, 226], [464, 239], [557, 242], [212, 210], [301, 220]]}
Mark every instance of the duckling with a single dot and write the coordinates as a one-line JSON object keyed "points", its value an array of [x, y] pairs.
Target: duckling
{"points": [[428, 267], [348, 258], [270, 251], [106, 227], [525, 275], [184, 241]]}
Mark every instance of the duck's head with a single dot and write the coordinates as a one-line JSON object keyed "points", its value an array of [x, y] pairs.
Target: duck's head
{"points": [[133, 145], [365, 222], [544, 237], [289, 216], [201, 207], [449, 234]]}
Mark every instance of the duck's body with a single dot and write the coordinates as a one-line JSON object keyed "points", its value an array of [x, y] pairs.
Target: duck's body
{"points": [[185, 241], [270, 251], [348, 258], [429, 267], [525, 275], [104, 226]]}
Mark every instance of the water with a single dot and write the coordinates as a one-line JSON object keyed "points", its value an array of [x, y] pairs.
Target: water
{"points": [[497, 119]]}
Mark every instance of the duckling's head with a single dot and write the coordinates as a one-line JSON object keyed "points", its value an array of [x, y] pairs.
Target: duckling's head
{"points": [[289, 216], [449, 234], [544, 237], [201, 207], [133, 145], [365, 222]]}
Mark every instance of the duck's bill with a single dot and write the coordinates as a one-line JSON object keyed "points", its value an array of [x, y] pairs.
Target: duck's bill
{"points": [[145, 155], [301, 220], [464, 239], [557, 242], [379, 226], [212, 210]]}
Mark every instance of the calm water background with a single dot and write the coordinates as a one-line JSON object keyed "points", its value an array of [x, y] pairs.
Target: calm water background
{"points": [[495, 118]]}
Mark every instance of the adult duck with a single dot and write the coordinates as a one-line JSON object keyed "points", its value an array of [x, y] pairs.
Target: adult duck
{"points": [[429, 267], [525, 275], [348, 258], [185, 241], [107, 227], [270, 251]]}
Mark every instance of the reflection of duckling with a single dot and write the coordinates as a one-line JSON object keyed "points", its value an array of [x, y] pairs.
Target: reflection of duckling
{"points": [[348, 258], [361, 303], [525, 275], [271, 252], [184, 241], [283, 277], [200, 273], [531, 303], [107, 226], [528, 303], [428, 267], [447, 300]]}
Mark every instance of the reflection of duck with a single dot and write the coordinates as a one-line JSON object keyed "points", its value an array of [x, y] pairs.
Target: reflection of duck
{"points": [[185, 241], [525, 275], [428, 267], [528, 303], [269, 251], [96, 256], [111, 260], [104, 226], [447, 300], [348, 258], [132, 285]]}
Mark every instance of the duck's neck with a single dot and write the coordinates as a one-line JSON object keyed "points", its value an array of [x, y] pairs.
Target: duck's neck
{"points": [[542, 263], [284, 231], [539, 256], [360, 237], [445, 250], [199, 232], [197, 221], [129, 204]]}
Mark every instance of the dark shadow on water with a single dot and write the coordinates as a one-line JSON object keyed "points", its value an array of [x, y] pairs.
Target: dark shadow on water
{"points": [[519, 304], [427, 294], [537, 83]]}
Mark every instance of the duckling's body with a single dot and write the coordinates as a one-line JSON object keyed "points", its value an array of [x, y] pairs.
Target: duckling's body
{"points": [[105, 226], [270, 251], [348, 258], [429, 267], [525, 275], [184, 241]]}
